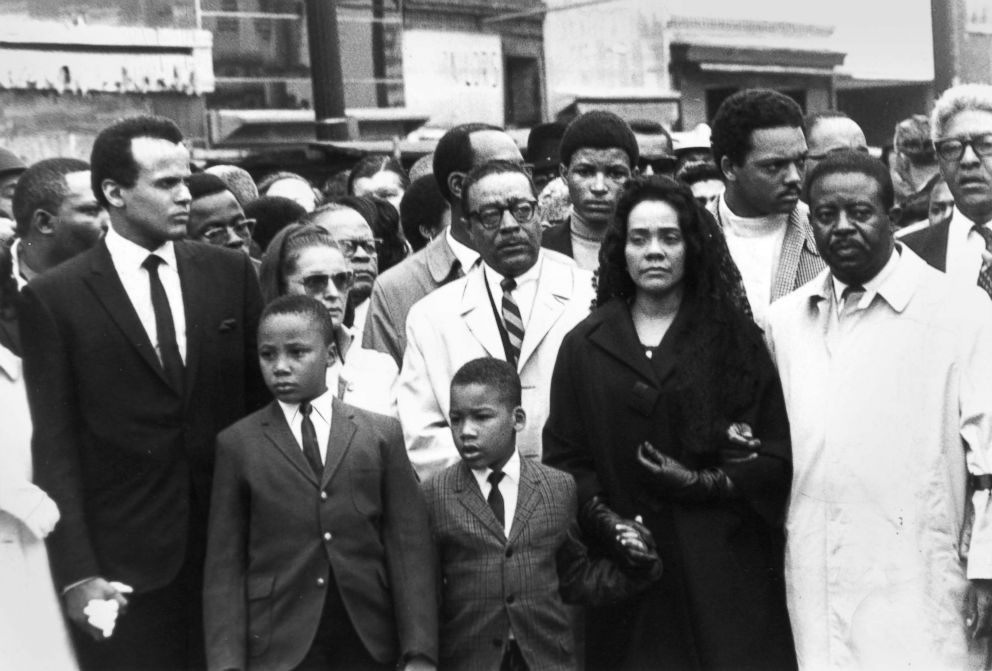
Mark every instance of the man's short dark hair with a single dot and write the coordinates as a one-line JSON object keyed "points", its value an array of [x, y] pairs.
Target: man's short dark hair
{"points": [[477, 174], [847, 161], [494, 374], [422, 206], [699, 172], [112, 157], [203, 184], [304, 306], [599, 129], [271, 215], [453, 153], [745, 112], [42, 187]]}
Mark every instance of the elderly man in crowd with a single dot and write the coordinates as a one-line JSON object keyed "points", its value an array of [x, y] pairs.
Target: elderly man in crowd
{"points": [[962, 135], [216, 216], [882, 548], [516, 305], [759, 145]]}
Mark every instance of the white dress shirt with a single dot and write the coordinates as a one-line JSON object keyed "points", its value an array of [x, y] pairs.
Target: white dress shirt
{"points": [[964, 249], [508, 487], [127, 258], [524, 292], [466, 256], [871, 286], [320, 416]]}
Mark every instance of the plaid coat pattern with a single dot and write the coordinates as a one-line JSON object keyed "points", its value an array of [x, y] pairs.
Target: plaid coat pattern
{"points": [[491, 585]]}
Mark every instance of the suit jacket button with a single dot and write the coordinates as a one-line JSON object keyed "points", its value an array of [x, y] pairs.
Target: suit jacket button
{"points": [[320, 582], [327, 536], [323, 496], [510, 599]]}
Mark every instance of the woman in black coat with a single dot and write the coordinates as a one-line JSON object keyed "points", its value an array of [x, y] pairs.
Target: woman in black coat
{"points": [[665, 405]]}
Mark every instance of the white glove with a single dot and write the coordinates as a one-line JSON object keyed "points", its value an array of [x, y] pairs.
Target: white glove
{"points": [[102, 613]]}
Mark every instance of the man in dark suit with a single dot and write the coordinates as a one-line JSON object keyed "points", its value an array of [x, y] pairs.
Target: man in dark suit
{"points": [[136, 353]]}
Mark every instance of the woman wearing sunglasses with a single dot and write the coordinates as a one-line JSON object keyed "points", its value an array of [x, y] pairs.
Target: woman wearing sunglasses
{"points": [[305, 259]]}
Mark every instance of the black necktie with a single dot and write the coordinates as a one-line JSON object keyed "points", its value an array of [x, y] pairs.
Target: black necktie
{"points": [[511, 319], [495, 498], [985, 273], [310, 448], [165, 328]]}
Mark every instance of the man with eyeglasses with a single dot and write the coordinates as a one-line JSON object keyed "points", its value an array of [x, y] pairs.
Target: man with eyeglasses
{"points": [[760, 147], [215, 215], [516, 305], [599, 152], [962, 134]]}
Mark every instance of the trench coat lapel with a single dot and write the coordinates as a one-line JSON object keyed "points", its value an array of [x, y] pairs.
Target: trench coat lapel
{"points": [[478, 314], [554, 289]]}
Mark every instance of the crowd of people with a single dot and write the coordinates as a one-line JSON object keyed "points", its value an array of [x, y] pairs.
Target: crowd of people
{"points": [[608, 405]]}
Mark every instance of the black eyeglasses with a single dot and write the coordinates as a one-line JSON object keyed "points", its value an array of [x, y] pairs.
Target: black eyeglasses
{"points": [[316, 285], [217, 235], [490, 217], [952, 148], [350, 245]]}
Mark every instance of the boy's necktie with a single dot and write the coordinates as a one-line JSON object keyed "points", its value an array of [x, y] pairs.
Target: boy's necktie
{"points": [[985, 273], [511, 319], [495, 498], [310, 449], [165, 328]]}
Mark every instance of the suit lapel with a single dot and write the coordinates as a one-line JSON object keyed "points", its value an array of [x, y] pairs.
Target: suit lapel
{"points": [[106, 285], [276, 429], [554, 289], [192, 278], [528, 496], [470, 496], [478, 314], [339, 441]]}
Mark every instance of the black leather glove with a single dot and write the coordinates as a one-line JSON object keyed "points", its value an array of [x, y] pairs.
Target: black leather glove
{"points": [[600, 523], [679, 483]]}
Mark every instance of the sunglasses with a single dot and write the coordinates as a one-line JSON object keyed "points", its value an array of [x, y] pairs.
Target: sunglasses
{"points": [[316, 285]]}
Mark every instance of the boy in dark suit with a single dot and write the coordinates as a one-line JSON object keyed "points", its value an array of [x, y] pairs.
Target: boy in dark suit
{"points": [[318, 554], [506, 541]]}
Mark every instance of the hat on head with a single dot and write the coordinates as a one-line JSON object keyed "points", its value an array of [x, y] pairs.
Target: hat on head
{"points": [[599, 129], [912, 138], [543, 145], [10, 163]]}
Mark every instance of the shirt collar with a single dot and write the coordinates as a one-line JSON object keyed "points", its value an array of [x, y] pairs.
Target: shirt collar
{"points": [[321, 405], [494, 278], [465, 254], [127, 254], [895, 283], [872, 286], [511, 470]]}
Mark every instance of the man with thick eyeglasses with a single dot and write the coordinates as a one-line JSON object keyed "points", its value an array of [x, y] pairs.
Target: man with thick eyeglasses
{"points": [[760, 147], [961, 126], [516, 305], [216, 216]]}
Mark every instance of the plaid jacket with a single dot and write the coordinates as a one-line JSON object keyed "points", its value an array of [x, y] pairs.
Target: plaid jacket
{"points": [[799, 261]]}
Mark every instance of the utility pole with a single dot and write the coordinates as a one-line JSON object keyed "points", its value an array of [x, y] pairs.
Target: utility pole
{"points": [[948, 28], [325, 70]]}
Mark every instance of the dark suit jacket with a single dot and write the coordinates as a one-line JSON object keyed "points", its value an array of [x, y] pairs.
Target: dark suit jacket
{"points": [[491, 584], [276, 535], [127, 459], [930, 244], [558, 238]]}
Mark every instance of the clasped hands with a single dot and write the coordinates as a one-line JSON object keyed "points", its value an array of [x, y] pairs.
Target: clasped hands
{"points": [[95, 604]]}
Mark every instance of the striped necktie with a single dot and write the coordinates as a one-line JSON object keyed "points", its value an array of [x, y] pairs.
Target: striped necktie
{"points": [[511, 319], [985, 274]]}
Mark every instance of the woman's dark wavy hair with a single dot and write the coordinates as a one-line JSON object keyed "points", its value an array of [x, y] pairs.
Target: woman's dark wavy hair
{"points": [[716, 371]]}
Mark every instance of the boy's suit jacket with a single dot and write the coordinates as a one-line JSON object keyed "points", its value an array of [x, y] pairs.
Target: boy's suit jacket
{"points": [[276, 535], [456, 324], [491, 584]]}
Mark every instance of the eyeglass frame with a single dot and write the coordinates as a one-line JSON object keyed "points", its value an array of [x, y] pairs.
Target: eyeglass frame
{"points": [[247, 224], [350, 245], [343, 281], [966, 141], [475, 216]]}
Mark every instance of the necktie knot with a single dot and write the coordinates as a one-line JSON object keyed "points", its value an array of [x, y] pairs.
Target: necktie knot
{"points": [[495, 477], [508, 284], [306, 408], [152, 262], [852, 290]]}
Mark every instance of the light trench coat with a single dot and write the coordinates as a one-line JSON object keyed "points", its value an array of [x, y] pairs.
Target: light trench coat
{"points": [[33, 634], [890, 408]]}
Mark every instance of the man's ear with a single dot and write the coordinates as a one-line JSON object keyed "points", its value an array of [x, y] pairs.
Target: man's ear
{"points": [[519, 419], [563, 171], [112, 191], [43, 222], [455, 181], [727, 168]]}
